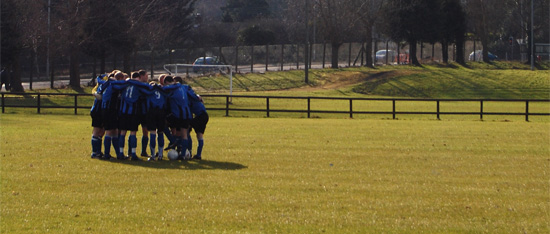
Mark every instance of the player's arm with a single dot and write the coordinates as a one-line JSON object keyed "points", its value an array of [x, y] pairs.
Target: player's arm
{"points": [[119, 84], [171, 87], [192, 95], [99, 83]]}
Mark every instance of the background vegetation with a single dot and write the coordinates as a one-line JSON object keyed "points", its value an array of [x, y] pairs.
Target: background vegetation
{"points": [[64, 34]]}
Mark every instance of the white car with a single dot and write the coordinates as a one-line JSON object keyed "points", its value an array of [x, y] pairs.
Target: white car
{"points": [[479, 56], [381, 56]]}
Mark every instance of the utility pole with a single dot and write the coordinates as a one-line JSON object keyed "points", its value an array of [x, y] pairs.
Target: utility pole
{"points": [[48, 46], [306, 47], [532, 37]]}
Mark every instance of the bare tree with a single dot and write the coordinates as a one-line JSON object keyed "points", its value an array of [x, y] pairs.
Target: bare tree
{"points": [[368, 12], [339, 21], [159, 24], [486, 19], [22, 29]]}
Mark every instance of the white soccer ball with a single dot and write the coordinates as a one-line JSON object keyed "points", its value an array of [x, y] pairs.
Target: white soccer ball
{"points": [[173, 155]]}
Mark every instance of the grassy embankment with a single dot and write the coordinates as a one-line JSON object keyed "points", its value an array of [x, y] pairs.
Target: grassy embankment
{"points": [[500, 80]]}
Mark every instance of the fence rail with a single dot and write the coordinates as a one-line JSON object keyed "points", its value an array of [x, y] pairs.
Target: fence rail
{"points": [[267, 109]]}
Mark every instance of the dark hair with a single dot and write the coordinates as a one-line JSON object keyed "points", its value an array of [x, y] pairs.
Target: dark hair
{"points": [[168, 79], [179, 79], [135, 75], [142, 72]]}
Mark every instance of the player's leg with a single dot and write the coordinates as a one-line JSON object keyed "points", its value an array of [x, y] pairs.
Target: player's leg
{"points": [[160, 139], [144, 140], [153, 142], [97, 134], [200, 145], [200, 127], [132, 144], [111, 138], [171, 139], [185, 154], [121, 140]]}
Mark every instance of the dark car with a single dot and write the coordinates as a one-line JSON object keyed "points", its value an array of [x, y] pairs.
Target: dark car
{"points": [[205, 61]]}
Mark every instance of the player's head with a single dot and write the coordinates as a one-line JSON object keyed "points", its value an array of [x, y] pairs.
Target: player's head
{"points": [[179, 79], [168, 80], [143, 75], [135, 76], [161, 79], [119, 75]]}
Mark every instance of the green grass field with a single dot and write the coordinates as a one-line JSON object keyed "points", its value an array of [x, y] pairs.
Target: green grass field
{"points": [[280, 175], [288, 174]]}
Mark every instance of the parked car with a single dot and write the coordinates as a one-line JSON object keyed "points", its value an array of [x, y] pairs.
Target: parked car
{"points": [[479, 56], [381, 56], [205, 61]]}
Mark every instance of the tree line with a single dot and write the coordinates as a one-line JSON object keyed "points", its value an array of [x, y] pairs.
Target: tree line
{"points": [[98, 29]]}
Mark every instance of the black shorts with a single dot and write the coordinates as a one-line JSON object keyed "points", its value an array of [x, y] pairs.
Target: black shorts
{"points": [[142, 120], [97, 119], [199, 122], [110, 119], [156, 119], [129, 122], [178, 123]]}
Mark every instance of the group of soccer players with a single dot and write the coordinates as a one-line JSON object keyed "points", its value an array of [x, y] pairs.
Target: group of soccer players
{"points": [[164, 107]]}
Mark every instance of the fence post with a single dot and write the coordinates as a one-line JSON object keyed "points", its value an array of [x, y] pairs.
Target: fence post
{"points": [[527, 110], [252, 59], [308, 107], [38, 104], [349, 55], [226, 105], [282, 56], [266, 57], [297, 56], [481, 110], [236, 58], [75, 104], [3, 104], [324, 54], [393, 108], [351, 108], [438, 110], [267, 105]]}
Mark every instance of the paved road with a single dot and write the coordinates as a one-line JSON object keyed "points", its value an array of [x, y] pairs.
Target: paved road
{"points": [[258, 68], [46, 84]]}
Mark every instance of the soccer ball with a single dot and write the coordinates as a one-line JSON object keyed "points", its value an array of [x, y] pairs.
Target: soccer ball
{"points": [[173, 155]]}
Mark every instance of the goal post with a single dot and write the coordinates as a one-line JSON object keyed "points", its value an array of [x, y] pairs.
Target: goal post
{"points": [[227, 70]]}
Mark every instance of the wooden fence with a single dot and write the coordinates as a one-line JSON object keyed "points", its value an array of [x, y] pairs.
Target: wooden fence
{"points": [[227, 106]]}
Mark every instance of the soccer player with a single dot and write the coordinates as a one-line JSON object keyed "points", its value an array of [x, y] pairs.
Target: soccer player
{"points": [[199, 121], [180, 115], [156, 120], [142, 104], [109, 105], [97, 120], [129, 115]]}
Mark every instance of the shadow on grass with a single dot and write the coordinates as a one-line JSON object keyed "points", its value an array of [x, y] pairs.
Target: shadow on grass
{"points": [[185, 165]]}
